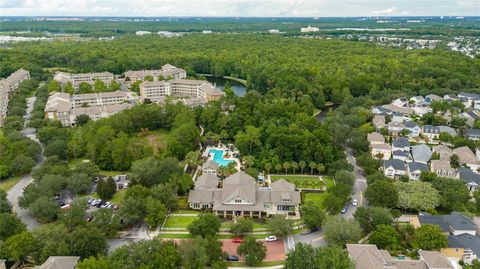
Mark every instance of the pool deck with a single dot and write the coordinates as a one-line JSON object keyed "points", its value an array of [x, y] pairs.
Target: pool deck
{"points": [[225, 149]]}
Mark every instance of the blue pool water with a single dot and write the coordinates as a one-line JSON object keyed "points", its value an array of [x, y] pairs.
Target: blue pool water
{"points": [[218, 157]]}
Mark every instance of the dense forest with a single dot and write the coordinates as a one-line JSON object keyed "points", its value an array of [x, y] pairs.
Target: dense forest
{"points": [[288, 67], [291, 26]]}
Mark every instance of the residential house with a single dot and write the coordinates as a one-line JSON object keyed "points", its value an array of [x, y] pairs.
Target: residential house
{"points": [[89, 78], [378, 122], [471, 115], [378, 110], [402, 155], [395, 127], [413, 128], [422, 108], [241, 196], [415, 169], [400, 102], [433, 97], [421, 153], [381, 151], [375, 138], [468, 243], [8, 85], [443, 151], [401, 144], [403, 110], [394, 168], [207, 181], [471, 97], [473, 134], [59, 262], [442, 168], [367, 256], [416, 99], [398, 117], [455, 223], [432, 132], [448, 130], [167, 71], [470, 178], [466, 157], [450, 97]]}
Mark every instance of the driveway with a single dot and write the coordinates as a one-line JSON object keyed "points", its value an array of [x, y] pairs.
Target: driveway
{"points": [[275, 250], [359, 187]]}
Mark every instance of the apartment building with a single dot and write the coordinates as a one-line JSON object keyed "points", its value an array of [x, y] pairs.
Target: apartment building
{"points": [[65, 108], [156, 91], [167, 71], [8, 85], [89, 78]]}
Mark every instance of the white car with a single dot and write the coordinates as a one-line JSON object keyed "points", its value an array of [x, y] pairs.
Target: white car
{"points": [[354, 202], [271, 238]]}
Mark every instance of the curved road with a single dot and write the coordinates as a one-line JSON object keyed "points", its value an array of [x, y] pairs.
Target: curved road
{"points": [[359, 187], [16, 191]]}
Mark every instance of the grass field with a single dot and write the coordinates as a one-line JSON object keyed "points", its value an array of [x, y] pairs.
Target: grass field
{"points": [[158, 139], [300, 181], [262, 264], [8, 183], [185, 211], [315, 198], [118, 196], [179, 222], [328, 181], [256, 225]]}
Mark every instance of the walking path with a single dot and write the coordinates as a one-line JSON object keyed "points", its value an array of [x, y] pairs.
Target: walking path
{"points": [[16, 191]]}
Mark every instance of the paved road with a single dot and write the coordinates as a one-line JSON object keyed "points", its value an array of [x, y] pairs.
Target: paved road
{"points": [[360, 185], [316, 239], [16, 191]]}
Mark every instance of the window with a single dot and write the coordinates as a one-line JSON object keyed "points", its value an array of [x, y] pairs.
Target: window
{"points": [[196, 205], [266, 206], [286, 200], [238, 201], [205, 206]]}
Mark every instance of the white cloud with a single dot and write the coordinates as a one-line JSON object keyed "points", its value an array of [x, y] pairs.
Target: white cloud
{"points": [[308, 8]]}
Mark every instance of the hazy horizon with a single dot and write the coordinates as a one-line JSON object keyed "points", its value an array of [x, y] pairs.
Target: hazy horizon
{"points": [[240, 8]]}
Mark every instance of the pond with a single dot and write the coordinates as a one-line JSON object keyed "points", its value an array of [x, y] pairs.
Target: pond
{"points": [[237, 87]]}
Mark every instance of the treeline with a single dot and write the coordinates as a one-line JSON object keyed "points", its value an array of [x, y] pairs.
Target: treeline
{"points": [[18, 154], [320, 70]]}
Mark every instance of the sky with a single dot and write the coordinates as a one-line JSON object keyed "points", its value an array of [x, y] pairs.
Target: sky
{"points": [[240, 8]]}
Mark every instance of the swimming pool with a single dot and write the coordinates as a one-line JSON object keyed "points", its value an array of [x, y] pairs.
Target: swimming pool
{"points": [[218, 157]]}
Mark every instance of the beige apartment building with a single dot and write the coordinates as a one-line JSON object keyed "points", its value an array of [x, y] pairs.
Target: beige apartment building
{"points": [[65, 108], [167, 71], [156, 91], [8, 85], [89, 78]]}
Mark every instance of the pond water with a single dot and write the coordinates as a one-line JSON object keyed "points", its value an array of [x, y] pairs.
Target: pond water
{"points": [[237, 87]]}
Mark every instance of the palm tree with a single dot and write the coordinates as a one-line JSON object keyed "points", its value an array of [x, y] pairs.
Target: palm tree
{"points": [[192, 159], [248, 161], [294, 165], [286, 166], [302, 165], [320, 168], [312, 165], [278, 167], [268, 166]]}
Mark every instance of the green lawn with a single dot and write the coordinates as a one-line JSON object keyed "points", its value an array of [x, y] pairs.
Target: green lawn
{"points": [[118, 196], [300, 181], [329, 182], [256, 225], [315, 198], [158, 139], [8, 183], [185, 211], [179, 222], [175, 236]]}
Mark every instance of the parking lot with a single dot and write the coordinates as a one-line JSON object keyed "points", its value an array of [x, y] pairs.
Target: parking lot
{"points": [[275, 250]]}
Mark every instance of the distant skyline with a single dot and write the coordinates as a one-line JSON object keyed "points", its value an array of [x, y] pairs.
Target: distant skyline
{"points": [[241, 8]]}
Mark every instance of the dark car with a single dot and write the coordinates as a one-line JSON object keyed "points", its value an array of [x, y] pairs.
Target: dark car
{"points": [[232, 258], [102, 202], [344, 210]]}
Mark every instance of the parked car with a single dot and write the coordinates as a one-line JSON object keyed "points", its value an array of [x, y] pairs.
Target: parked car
{"points": [[120, 186], [232, 258], [237, 240], [344, 210], [355, 202], [271, 238]]}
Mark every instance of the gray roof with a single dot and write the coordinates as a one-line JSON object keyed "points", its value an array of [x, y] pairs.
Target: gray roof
{"points": [[468, 176], [411, 124], [475, 132], [60, 262], [414, 166], [401, 142], [434, 259], [239, 185], [454, 220], [446, 129], [395, 163], [421, 153], [210, 165], [467, 241], [469, 95], [401, 153], [433, 97], [430, 129], [207, 181]]}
